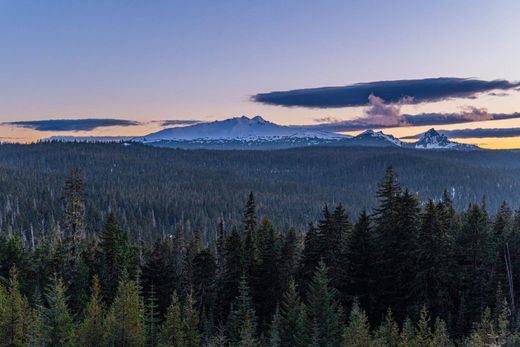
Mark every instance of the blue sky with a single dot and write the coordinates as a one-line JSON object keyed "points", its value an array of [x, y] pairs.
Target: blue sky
{"points": [[147, 60]]}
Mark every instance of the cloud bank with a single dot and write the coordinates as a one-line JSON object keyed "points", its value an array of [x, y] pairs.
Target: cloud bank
{"points": [[171, 122], [392, 92], [475, 133], [86, 124], [466, 115]]}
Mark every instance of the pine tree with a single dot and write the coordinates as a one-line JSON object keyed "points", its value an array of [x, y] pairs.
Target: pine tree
{"points": [[323, 313], [242, 310], [92, 330], [250, 241], [433, 263], [266, 278], [360, 262], [357, 332], [274, 329], [293, 330], [152, 318], [312, 254], [423, 332], [229, 282], [158, 273], [126, 316], [190, 323], [74, 213], [172, 332], [17, 318], [388, 332], [204, 280], [56, 323], [289, 259], [114, 256], [440, 336]]}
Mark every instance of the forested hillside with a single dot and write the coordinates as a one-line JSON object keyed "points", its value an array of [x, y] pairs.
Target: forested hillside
{"points": [[402, 275], [152, 189]]}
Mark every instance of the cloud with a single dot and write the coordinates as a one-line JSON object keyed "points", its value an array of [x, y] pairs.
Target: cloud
{"points": [[467, 115], [71, 124], [178, 122], [475, 133], [393, 92]]}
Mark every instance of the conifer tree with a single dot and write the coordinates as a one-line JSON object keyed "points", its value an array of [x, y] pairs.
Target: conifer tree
{"points": [[250, 241], [266, 280], [229, 282], [293, 330], [311, 256], [152, 318], [433, 263], [172, 332], [242, 310], [388, 332], [17, 318], [158, 273], [289, 259], [440, 335], [92, 331], [274, 329], [126, 316], [74, 212], [190, 323], [423, 332], [357, 331], [360, 262], [114, 256], [323, 314], [56, 323]]}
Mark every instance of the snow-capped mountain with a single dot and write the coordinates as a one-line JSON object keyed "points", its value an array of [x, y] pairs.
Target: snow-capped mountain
{"points": [[375, 139], [238, 128], [433, 140]]}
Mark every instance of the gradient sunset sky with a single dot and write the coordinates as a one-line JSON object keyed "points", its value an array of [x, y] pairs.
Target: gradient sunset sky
{"points": [[205, 60]]}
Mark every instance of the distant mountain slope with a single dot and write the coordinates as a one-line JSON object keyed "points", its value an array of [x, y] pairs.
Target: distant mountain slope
{"points": [[260, 134], [236, 128]]}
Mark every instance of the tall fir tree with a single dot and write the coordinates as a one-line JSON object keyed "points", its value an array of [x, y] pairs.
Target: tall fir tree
{"points": [[324, 315], [171, 333], [233, 270], [126, 316], [266, 278], [292, 326], [17, 318], [242, 310], [360, 262], [114, 256], [190, 323], [92, 330], [56, 324]]}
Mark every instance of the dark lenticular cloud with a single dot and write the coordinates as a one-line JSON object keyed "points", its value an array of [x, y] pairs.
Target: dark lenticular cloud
{"points": [[467, 115], [178, 122], [475, 133], [72, 124], [409, 91]]}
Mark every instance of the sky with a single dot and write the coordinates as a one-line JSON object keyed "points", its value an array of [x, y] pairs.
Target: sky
{"points": [[146, 61]]}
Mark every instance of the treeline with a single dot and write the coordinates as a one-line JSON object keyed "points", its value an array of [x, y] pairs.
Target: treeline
{"points": [[152, 190], [404, 275]]}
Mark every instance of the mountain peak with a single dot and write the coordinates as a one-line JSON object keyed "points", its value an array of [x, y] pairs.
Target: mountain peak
{"points": [[432, 139]]}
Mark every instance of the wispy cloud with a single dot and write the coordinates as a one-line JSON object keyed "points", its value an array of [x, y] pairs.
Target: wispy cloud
{"points": [[475, 133], [392, 92], [171, 122], [466, 115], [86, 124]]}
